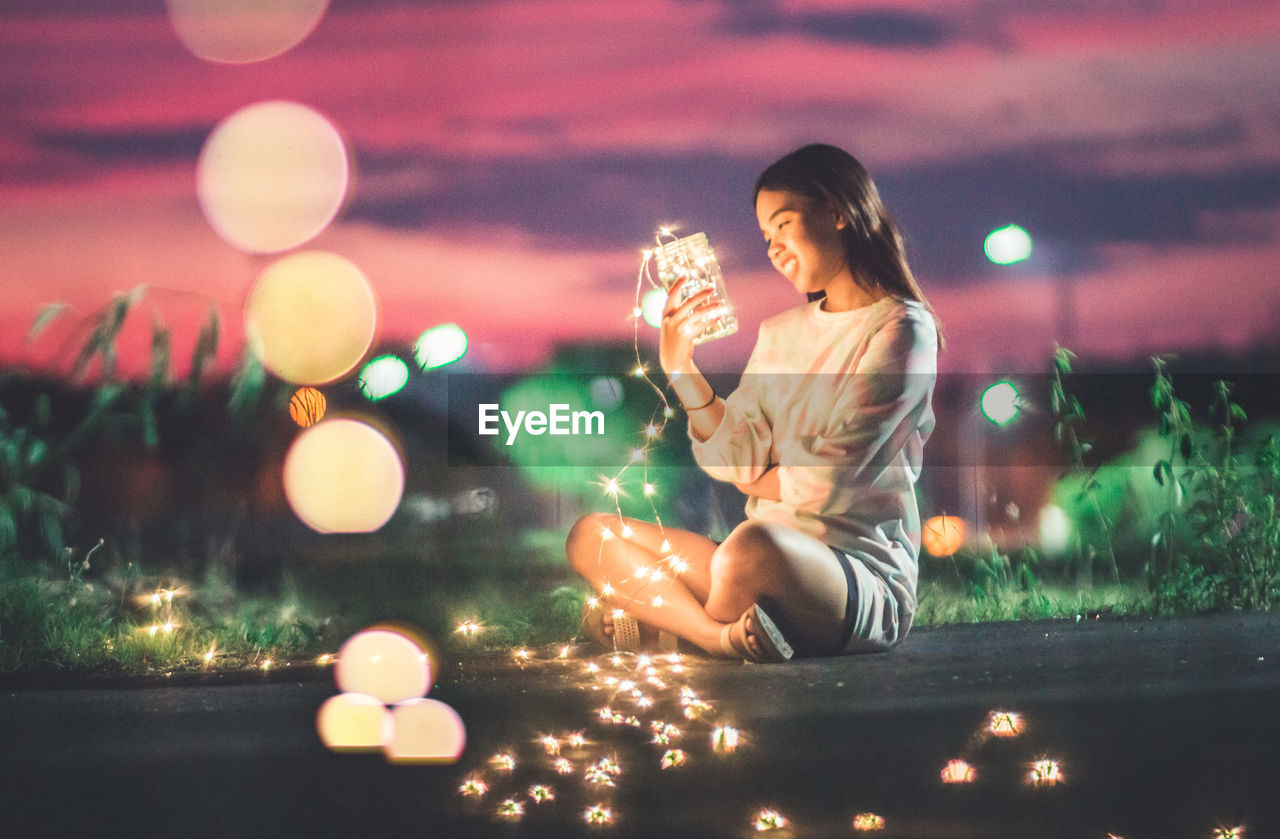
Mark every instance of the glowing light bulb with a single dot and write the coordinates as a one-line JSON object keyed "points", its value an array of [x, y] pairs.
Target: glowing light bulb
{"points": [[1004, 724], [1045, 773], [769, 820], [468, 629], [672, 758], [868, 822], [724, 738], [957, 772], [473, 787], [511, 809]]}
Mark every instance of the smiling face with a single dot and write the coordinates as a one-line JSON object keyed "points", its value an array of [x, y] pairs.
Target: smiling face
{"points": [[803, 239]]}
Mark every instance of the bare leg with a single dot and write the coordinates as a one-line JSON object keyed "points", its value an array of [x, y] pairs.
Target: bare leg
{"points": [[800, 574], [623, 570]]}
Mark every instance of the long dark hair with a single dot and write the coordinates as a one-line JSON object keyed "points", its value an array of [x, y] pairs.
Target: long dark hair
{"points": [[873, 246]]}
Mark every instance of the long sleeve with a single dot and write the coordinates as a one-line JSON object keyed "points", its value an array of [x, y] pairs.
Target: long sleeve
{"points": [[739, 450], [871, 443]]}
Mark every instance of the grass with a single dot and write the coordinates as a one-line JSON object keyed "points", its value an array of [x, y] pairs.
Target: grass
{"points": [[941, 603], [122, 621], [51, 625]]}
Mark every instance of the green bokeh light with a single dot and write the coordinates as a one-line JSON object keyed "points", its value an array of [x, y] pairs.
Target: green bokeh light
{"points": [[382, 377], [1000, 403], [440, 345], [1007, 245]]}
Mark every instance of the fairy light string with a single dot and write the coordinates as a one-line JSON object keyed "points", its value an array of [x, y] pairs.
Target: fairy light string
{"points": [[651, 581]]}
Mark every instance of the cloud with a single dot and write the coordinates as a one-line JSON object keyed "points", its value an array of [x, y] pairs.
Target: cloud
{"points": [[876, 27], [528, 149]]}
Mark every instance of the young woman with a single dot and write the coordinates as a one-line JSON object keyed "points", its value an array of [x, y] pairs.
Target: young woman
{"points": [[824, 434]]}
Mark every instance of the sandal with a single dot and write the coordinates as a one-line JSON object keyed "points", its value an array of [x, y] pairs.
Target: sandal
{"points": [[629, 633], [758, 622]]}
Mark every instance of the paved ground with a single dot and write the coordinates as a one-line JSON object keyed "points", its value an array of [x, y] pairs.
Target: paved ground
{"points": [[1160, 729]]}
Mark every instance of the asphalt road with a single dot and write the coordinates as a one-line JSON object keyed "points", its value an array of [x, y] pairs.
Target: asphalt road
{"points": [[1159, 729]]}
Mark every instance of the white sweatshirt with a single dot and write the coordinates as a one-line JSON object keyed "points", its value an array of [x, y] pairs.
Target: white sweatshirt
{"points": [[841, 403]]}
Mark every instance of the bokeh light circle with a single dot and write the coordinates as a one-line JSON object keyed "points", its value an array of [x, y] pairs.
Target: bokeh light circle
{"points": [[354, 722], [440, 345], [384, 664], [1001, 403], [310, 317], [1055, 530], [651, 306], [1007, 245], [943, 535], [343, 476], [606, 392], [307, 406], [425, 731], [272, 176], [385, 376], [243, 31]]}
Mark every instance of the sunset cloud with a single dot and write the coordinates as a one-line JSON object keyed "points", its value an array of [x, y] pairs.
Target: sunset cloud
{"points": [[512, 157]]}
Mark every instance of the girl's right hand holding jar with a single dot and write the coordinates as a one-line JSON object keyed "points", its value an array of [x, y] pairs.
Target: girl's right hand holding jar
{"points": [[681, 324]]}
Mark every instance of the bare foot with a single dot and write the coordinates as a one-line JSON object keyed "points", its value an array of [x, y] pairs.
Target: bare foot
{"points": [[745, 638], [742, 635]]}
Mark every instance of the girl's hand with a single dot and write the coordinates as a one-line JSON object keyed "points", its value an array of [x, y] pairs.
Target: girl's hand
{"points": [[681, 324]]}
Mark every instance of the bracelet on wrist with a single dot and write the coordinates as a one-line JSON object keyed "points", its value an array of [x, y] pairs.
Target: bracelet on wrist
{"points": [[706, 404]]}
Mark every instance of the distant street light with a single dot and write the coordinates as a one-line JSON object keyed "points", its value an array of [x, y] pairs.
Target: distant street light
{"points": [[384, 376], [1007, 245], [1001, 403]]}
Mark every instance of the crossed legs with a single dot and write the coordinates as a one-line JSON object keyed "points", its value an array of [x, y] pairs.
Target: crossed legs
{"points": [[700, 587]]}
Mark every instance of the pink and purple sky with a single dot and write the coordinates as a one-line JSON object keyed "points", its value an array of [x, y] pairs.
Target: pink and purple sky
{"points": [[512, 157]]}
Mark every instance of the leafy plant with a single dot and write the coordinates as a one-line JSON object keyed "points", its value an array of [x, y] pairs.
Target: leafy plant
{"points": [[1233, 518], [33, 505], [1068, 413], [1175, 426]]}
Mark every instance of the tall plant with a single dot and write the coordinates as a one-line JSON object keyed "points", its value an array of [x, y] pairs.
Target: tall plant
{"points": [[1233, 518], [1176, 427], [1068, 414]]}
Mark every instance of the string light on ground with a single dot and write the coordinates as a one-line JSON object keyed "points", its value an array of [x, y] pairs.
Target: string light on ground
{"points": [[724, 739], [469, 629], [1004, 724], [511, 810], [868, 822], [598, 814], [503, 762], [473, 787], [541, 793], [958, 772], [1229, 832], [1045, 773], [766, 820], [673, 758]]}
